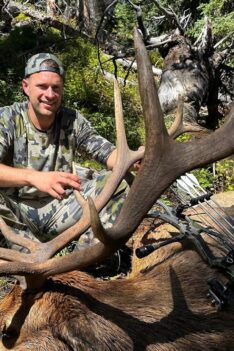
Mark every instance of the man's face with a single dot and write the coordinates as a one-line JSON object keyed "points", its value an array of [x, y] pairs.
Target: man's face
{"points": [[45, 91]]}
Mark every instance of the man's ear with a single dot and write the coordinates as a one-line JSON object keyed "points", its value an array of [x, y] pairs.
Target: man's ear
{"points": [[25, 86]]}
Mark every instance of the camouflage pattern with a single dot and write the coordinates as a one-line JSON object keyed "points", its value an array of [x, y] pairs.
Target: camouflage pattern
{"points": [[35, 64], [22, 145], [44, 218]]}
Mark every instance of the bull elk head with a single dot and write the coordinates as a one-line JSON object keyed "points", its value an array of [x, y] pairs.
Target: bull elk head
{"points": [[165, 159]]}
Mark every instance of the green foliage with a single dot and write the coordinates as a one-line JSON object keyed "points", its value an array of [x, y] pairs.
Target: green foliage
{"points": [[169, 118], [21, 40], [204, 177], [87, 90], [220, 13], [126, 18], [10, 91], [92, 164], [10, 48], [156, 59], [2, 281], [222, 179], [21, 17], [184, 137], [124, 23], [165, 200]]}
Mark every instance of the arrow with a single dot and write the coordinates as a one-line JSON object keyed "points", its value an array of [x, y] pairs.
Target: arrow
{"points": [[189, 185]]}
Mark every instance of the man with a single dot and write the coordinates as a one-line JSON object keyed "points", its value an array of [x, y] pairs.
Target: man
{"points": [[39, 139]]}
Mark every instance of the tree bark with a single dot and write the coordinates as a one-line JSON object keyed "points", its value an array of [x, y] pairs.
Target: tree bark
{"points": [[91, 12], [185, 73]]}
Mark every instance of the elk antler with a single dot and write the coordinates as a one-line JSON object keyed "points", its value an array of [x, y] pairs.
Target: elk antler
{"points": [[165, 160], [178, 127]]}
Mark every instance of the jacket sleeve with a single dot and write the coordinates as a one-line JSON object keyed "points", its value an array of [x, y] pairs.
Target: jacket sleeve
{"points": [[6, 135]]}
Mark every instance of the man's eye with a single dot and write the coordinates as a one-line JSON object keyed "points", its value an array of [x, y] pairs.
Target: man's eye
{"points": [[43, 87]]}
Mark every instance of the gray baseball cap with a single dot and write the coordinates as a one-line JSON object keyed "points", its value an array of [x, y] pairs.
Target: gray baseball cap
{"points": [[37, 64]]}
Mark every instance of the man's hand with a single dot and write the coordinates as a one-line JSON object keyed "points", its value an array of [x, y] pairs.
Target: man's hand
{"points": [[54, 183]]}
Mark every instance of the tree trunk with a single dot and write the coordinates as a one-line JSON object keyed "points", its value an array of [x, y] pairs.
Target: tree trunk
{"points": [[189, 74], [91, 12]]}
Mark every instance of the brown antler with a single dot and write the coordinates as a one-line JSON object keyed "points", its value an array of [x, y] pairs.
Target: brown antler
{"points": [[178, 127], [164, 161]]}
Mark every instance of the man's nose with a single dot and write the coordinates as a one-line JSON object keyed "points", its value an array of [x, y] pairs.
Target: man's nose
{"points": [[50, 93]]}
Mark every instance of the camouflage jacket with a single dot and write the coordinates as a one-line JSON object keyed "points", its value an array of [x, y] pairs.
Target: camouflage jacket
{"points": [[23, 146]]}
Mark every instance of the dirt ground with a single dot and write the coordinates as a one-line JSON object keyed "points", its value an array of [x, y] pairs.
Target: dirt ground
{"points": [[226, 200]]}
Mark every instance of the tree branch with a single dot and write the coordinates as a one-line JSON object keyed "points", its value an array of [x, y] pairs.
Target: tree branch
{"points": [[143, 29], [171, 15], [43, 18]]}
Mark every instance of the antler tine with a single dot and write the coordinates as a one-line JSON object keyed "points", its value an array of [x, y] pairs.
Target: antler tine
{"points": [[10, 235], [10, 255], [178, 127]]}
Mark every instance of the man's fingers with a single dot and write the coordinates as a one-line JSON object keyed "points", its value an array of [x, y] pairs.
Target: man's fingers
{"points": [[72, 177], [55, 183], [54, 194], [59, 189], [67, 182]]}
